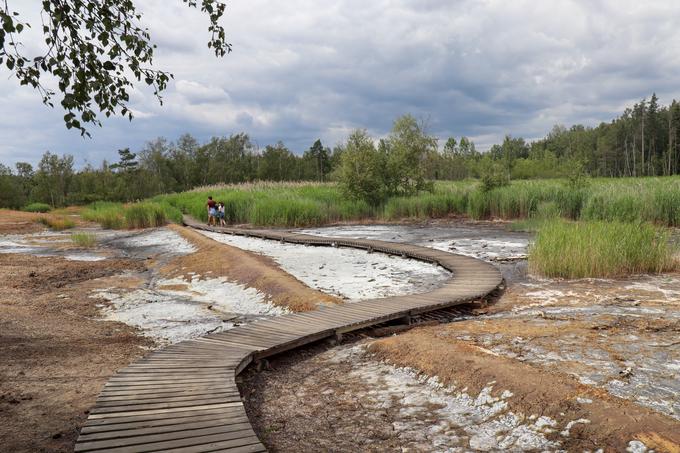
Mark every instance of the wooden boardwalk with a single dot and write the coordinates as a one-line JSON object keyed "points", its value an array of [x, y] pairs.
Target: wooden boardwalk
{"points": [[184, 397]]}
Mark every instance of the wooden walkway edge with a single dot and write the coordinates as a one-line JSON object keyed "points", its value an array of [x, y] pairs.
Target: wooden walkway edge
{"points": [[184, 398]]}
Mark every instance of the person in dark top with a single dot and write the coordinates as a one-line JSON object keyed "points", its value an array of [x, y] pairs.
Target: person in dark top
{"points": [[212, 212]]}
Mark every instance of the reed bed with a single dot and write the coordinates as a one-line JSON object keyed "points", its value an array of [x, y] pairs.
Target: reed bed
{"points": [[566, 249], [655, 200], [136, 215]]}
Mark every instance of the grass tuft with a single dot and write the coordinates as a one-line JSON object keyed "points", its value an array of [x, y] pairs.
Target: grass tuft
{"points": [[57, 223], [600, 249], [82, 239]]}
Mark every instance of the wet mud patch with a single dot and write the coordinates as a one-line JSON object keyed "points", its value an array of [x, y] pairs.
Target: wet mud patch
{"points": [[42, 279]]}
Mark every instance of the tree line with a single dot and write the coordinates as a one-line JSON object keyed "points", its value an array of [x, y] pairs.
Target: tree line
{"points": [[643, 141], [161, 166]]}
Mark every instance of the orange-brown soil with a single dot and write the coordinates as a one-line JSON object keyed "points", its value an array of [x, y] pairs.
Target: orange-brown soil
{"points": [[215, 259], [55, 356], [18, 222]]}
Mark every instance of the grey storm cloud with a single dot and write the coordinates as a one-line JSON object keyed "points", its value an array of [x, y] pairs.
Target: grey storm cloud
{"points": [[303, 70]]}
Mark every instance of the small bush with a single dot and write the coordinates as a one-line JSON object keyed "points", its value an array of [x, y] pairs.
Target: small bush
{"points": [[493, 175], [84, 239], [600, 249], [57, 223], [37, 207]]}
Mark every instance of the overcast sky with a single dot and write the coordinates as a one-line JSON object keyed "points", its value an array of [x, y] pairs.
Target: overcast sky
{"points": [[303, 70]]}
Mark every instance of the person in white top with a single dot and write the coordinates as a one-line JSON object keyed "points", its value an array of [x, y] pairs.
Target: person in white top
{"points": [[220, 213]]}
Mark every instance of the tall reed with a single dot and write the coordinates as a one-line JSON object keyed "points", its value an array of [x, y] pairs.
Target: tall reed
{"points": [[600, 249]]}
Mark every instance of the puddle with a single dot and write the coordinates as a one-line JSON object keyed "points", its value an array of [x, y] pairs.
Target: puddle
{"points": [[348, 273]]}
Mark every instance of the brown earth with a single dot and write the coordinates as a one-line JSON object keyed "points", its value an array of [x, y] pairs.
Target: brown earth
{"points": [[18, 222], [54, 355], [250, 269], [614, 421]]}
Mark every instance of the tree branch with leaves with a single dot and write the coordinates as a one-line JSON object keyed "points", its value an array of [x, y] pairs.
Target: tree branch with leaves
{"points": [[96, 50]]}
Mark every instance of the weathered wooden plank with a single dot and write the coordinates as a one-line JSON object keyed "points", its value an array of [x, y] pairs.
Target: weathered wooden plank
{"points": [[235, 439], [144, 421], [235, 431], [145, 431]]}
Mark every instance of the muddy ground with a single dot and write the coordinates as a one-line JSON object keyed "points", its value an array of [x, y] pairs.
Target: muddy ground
{"points": [[55, 354], [574, 366]]}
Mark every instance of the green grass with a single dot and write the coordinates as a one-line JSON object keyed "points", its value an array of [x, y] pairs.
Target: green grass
{"points": [[82, 239], [57, 223], [37, 207], [136, 215], [655, 200], [566, 249], [273, 204], [545, 212]]}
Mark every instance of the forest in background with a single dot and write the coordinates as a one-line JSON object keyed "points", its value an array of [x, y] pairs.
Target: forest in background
{"points": [[643, 141]]}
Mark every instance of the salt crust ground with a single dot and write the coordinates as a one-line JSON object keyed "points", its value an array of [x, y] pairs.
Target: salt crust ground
{"points": [[172, 310], [490, 244], [345, 399], [348, 273], [202, 306], [617, 335], [462, 421]]}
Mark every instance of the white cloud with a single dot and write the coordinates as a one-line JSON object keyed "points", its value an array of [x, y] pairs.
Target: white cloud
{"points": [[301, 70]]}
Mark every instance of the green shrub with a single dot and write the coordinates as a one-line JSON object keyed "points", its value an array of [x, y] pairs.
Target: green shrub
{"points": [[37, 207], [600, 249], [493, 174]]}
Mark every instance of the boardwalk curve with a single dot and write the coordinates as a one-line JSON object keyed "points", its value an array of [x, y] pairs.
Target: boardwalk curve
{"points": [[184, 397]]}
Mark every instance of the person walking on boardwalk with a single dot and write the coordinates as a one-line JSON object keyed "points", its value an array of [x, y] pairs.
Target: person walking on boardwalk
{"points": [[212, 212]]}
